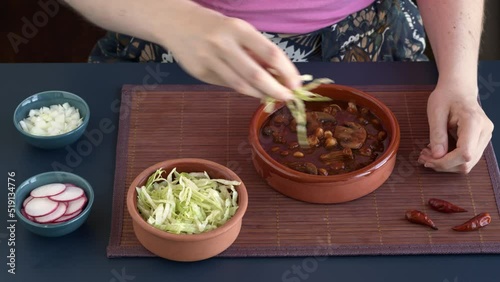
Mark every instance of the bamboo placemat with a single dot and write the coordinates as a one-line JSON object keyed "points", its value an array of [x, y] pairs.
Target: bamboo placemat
{"points": [[212, 123]]}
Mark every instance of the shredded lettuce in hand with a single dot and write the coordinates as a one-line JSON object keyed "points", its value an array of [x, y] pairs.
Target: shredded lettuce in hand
{"points": [[187, 203], [297, 107]]}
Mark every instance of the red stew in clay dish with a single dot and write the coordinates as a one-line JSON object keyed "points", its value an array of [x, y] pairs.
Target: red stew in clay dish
{"points": [[351, 147]]}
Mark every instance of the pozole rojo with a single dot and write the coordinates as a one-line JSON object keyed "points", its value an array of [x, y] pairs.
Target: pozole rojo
{"points": [[341, 135]]}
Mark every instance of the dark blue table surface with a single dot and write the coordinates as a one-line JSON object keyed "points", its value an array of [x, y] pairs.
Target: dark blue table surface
{"points": [[81, 256]]}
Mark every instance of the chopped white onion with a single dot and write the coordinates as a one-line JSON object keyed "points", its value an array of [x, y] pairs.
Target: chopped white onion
{"points": [[53, 120]]}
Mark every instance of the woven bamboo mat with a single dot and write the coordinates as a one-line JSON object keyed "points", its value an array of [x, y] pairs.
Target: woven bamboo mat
{"points": [[212, 123]]}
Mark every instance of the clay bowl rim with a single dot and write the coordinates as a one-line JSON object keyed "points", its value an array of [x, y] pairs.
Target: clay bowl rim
{"points": [[169, 164], [353, 175]]}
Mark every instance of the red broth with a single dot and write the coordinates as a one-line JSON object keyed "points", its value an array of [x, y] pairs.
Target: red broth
{"points": [[342, 138]]}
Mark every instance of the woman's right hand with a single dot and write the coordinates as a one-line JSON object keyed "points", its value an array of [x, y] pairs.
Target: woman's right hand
{"points": [[210, 46], [230, 52]]}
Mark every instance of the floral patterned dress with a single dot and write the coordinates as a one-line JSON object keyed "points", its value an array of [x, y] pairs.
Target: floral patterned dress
{"points": [[387, 30]]}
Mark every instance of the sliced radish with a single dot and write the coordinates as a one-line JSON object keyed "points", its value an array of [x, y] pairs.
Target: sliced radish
{"points": [[27, 200], [57, 213], [74, 213], [76, 205], [40, 207], [23, 212], [70, 185], [48, 190], [67, 217], [71, 193]]}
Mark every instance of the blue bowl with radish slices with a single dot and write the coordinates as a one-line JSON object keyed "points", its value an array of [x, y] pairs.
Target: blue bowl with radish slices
{"points": [[52, 119], [53, 203]]}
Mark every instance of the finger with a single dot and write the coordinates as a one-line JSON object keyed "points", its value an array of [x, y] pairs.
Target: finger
{"points": [[224, 75], [485, 138], [426, 152], [448, 162], [438, 124], [456, 169], [468, 135], [425, 156], [486, 133], [463, 168], [274, 58], [457, 161], [256, 76]]}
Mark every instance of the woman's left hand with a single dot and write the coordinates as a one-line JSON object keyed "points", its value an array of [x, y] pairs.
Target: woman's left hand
{"points": [[453, 110]]}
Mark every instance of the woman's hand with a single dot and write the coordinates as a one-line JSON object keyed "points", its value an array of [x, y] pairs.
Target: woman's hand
{"points": [[210, 46], [230, 52], [453, 111]]}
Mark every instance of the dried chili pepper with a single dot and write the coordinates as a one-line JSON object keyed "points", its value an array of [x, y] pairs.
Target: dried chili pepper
{"points": [[474, 223], [444, 206], [419, 217]]}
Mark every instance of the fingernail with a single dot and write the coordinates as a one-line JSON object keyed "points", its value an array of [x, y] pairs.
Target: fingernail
{"points": [[429, 165], [421, 161]]}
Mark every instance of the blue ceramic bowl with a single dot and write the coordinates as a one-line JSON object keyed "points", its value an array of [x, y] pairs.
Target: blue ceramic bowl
{"points": [[45, 99], [53, 229]]}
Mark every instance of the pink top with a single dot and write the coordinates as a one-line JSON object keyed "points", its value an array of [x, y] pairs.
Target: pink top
{"points": [[292, 16]]}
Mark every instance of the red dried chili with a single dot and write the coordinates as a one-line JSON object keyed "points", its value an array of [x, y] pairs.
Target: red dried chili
{"points": [[419, 217], [444, 206], [474, 223]]}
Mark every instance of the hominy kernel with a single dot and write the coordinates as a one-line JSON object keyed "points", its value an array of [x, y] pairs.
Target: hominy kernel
{"points": [[284, 153], [298, 154]]}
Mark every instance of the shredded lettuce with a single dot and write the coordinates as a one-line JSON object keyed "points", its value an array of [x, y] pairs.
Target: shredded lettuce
{"points": [[297, 107], [187, 203]]}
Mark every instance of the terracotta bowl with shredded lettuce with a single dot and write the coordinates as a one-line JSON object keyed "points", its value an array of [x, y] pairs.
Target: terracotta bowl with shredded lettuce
{"points": [[187, 209]]}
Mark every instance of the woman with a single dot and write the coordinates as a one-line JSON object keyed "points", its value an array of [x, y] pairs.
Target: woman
{"points": [[238, 43]]}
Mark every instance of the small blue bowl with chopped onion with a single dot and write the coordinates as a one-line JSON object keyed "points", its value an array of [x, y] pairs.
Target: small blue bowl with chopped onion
{"points": [[52, 119]]}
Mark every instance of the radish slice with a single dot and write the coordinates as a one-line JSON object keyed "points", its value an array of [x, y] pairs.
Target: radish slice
{"points": [[23, 212], [70, 185], [27, 200], [67, 217], [48, 190], [40, 207], [76, 205], [74, 213], [57, 213], [71, 193]]}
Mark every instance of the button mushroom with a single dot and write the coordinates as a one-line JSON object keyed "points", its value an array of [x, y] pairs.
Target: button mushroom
{"points": [[305, 167], [345, 154], [350, 135], [322, 117], [312, 122], [332, 109]]}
